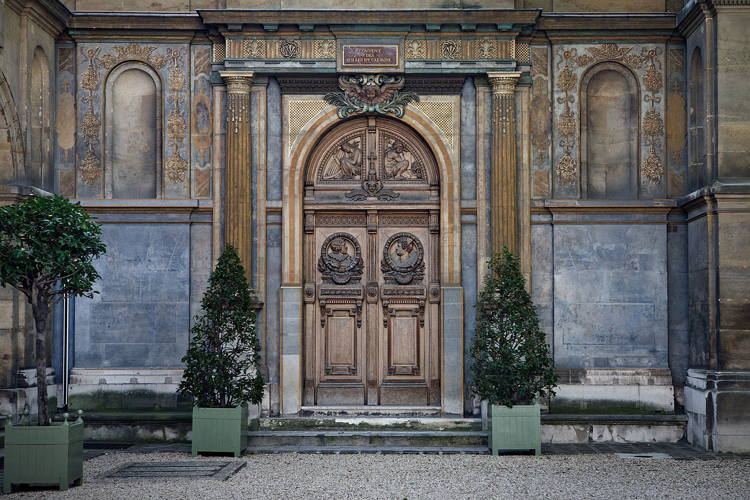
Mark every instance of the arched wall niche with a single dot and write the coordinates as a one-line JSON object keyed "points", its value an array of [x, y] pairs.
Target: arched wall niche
{"points": [[609, 132], [133, 132], [697, 120], [40, 173], [12, 166]]}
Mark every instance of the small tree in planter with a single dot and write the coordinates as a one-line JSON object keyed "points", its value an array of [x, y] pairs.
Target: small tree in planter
{"points": [[47, 249], [221, 364], [512, 365]]}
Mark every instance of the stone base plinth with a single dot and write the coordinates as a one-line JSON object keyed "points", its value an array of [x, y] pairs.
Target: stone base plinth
{"points": [[717, 404], [614, 391]]}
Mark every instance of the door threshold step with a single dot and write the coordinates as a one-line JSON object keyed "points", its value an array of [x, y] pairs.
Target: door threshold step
{"points": [[370, 423], [371, 411], [372, 450], [365, 432]]}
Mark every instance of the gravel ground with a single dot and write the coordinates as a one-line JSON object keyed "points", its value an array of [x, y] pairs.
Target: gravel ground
{"points": [[398, 477]]}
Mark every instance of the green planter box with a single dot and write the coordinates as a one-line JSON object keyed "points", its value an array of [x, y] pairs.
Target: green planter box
{"points": [[220, 430], [48, 454], [517, 428]]}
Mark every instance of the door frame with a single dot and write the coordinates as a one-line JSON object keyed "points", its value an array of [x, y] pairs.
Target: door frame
{"points": [[296, 154]]}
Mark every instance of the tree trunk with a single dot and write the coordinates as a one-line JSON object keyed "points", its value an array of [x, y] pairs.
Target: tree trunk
{"points": [[41, 312]]}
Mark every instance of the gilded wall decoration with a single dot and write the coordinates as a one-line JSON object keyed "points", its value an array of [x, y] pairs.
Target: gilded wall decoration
{"points": [[415, 49], [523, 52], [65, 121], [676, 118], [254, 48], [171, 64], [177, 166], [485, 48], [566, 168], [540, 121], [443, 115], [325, 49], [289, 49], [371, 93], [91, 166], [450, 49], [646, 62], [299, 114]]}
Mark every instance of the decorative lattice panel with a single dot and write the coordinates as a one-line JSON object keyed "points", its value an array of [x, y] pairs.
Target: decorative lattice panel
{"points": [[300, 114]]}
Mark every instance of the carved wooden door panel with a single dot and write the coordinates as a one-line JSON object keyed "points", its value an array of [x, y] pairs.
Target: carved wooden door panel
{"points": [[372, 291]]}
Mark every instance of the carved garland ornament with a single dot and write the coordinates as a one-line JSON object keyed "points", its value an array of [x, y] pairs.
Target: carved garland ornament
{"points": [[371, 94], [567, 167], [176, 165]]}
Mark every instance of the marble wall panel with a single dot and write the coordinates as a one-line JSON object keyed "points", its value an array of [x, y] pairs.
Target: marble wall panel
{"points": [[65, 121], [201, 132], [468, 141], [676, 121], [141, 316], [540, 121], [610, 295]]}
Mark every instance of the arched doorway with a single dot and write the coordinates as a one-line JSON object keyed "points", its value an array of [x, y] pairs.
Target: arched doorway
{"points": [[371, 267]]}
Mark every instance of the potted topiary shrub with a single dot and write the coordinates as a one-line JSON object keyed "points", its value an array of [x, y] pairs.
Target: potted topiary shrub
{"points": [[512, 366], [221, 364], [47, 249]]}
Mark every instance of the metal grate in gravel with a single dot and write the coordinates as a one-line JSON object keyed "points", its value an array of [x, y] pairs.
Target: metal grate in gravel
{"points": [[209, 469], [106, 446]]}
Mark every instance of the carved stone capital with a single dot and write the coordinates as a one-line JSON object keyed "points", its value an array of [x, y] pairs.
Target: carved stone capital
{"points": [[238, 81], [503, 82]]}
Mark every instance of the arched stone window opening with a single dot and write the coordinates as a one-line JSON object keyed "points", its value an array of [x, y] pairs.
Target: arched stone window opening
{"points": [[609, 133], [133, 132], [697, 121], [40, 173]]}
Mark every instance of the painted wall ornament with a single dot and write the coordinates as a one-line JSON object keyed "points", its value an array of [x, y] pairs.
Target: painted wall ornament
{"points": [[371, 94]]}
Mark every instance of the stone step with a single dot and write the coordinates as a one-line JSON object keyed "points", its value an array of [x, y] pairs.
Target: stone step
{"points": [[370, 423], [659, 428], [368, 438]]}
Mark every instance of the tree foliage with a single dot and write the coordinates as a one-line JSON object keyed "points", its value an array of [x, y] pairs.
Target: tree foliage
{"points": [[47, 249], [511, 359], [221, 364]]}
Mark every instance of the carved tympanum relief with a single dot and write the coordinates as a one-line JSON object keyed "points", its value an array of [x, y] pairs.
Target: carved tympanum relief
{"points": [[570, 63], [345, 161]]}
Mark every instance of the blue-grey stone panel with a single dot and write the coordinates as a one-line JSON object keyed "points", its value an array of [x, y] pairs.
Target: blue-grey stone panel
{"points": [[469, 141], [273, 140], [610, 296], [469, 278], [141, 316], [452, 351], [201, 264], [698, 305], [272, 306], [291, 311], [679, 338], [541, 285]]}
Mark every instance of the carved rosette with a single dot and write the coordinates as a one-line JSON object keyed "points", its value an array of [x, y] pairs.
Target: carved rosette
{"points": [[450, 49], [403, 260], [340, 260]]}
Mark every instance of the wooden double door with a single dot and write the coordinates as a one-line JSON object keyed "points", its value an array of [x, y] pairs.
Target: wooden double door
{"points": [[372, 296]]}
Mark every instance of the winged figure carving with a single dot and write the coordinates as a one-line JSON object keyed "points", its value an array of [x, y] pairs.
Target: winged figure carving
{"points": [[371, 94]]}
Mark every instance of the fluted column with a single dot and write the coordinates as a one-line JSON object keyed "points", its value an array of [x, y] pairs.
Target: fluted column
{"points": [[504, 213], [238, 174]]}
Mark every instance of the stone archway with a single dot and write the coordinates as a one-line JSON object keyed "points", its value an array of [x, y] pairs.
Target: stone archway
{"points": [[371, 267]]}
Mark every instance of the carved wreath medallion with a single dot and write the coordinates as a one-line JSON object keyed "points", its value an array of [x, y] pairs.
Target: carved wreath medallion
{"points": [[340, 259], [403, 260]]}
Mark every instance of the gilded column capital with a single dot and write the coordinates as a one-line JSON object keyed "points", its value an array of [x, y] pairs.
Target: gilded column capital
{"points": [[238, 81], [503, 82]]}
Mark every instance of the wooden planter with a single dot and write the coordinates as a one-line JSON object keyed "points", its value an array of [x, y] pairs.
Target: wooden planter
{"points": [[220, 430], [47, 454], [517, 428]]}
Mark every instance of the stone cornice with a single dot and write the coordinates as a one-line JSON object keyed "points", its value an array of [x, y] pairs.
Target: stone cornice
{"points": [[238, 19], [323, 84], [135, 25]]}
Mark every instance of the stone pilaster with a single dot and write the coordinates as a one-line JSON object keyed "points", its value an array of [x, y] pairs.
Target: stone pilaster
{"points": [[504, 213], [238, 174]]}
